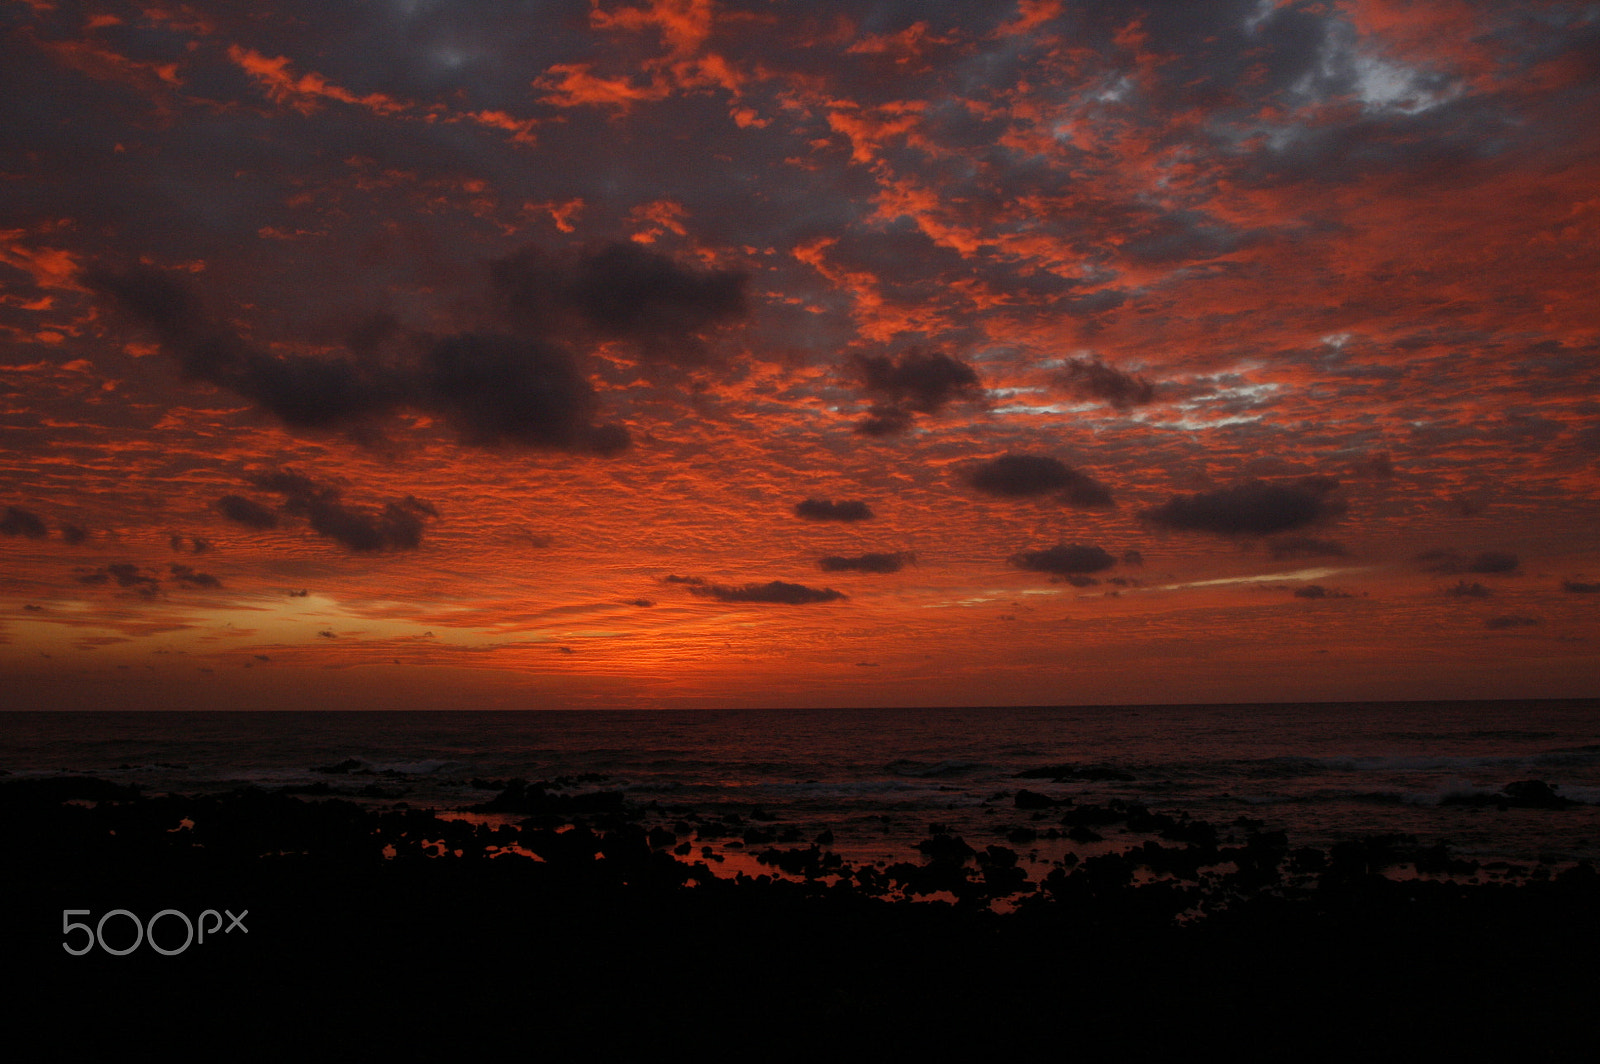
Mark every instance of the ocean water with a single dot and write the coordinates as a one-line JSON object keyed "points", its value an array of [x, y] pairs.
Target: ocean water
{"points": [[882, 779]]}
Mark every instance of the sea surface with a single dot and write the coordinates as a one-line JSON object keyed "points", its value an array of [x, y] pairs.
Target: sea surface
{"points": [[881, 779]]}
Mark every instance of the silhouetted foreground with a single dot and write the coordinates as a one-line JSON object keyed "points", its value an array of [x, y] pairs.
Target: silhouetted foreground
{"points": [[578, 931]]}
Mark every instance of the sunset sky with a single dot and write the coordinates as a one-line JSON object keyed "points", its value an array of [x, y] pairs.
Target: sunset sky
{"points": [[417, 353]]}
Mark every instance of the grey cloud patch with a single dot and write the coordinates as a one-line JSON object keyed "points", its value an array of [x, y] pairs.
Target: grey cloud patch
{"points": [[1064, 561], [1462, 589], [1494, 561], [74, 534], [507, 390], [247, 512], [20, 522], [302, 392], [1511, 621], [491, 389], [620, 291], [1579, 587], [1020, 476], [1317, 591], [398, 525], [885, 421], [126, 575], [914, 382], [1251, 508], [776, 592], [866, 563], [1093, 379], [131, 577], [1450, 563], [827, 510], [186, 576], [192, 544]]}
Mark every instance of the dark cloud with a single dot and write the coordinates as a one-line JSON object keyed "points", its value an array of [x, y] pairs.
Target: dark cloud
{"points": [[1317, 591], [692, 581], [777, 592], [126, 575], [20, 522], [397, 526], [1450, 563], [1093, 379], [620, 291], [507, 390], [914, 382], [192, 544], [1018, 476], [289, 482], [1578, 587], [1132, 557], [1374, 467], [1306, 547], [828, 510], [301, 391], [247, 512], [866, 563], [1511, 621], [1462, 589], [1440, 561], [1062, 560], [885, 421], [1251, 508], [189, 578], [74, 534], [491, 389]]}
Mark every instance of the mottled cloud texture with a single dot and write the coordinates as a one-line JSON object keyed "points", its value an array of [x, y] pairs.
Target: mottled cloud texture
{"points": [[471, 321]]}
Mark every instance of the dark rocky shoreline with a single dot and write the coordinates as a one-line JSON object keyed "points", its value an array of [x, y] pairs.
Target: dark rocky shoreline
{"points": [[576, 926]]}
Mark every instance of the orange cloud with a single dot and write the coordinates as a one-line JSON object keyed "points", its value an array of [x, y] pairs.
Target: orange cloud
{"points": [[49, 267], [154, 81], [306, 92], [867, 132], [521, 129], [571, 85], [659, 216], [684, 24]]}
